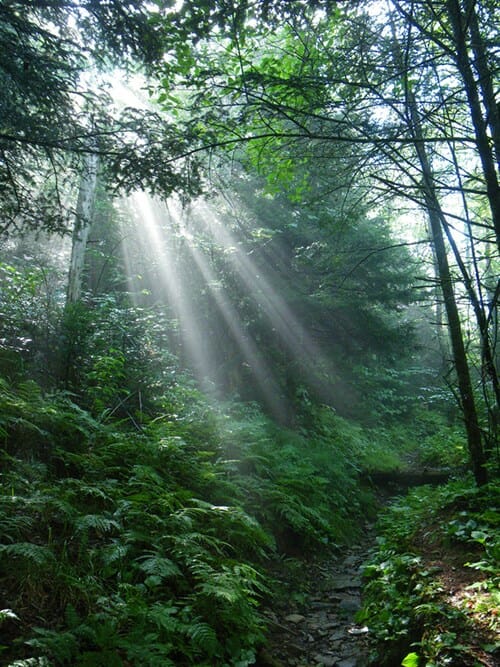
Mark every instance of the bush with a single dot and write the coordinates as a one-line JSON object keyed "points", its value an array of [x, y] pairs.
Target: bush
{"points": [[432, 541], [148, 546]]}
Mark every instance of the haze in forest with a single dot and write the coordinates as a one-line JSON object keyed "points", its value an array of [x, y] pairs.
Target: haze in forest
{"points": [[249, 286]]}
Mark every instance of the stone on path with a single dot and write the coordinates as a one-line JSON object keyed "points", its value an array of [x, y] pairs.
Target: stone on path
{"points": [[342, 582], [326, 660], [350, 604], [295, 618], [347, 662]]}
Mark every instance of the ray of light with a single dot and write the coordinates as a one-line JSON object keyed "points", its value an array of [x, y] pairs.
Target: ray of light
{"points": [[153, 220], [183, 274], [268, 385], [290, 329]]}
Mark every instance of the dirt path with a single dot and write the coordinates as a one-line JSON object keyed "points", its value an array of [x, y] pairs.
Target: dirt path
{"points": [[320, 630]]}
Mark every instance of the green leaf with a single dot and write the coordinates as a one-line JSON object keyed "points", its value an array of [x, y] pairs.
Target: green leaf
{"points": [[411, 660]]}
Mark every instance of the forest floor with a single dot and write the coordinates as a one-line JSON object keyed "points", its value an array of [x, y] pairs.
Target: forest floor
{"points": [[314, 625]]}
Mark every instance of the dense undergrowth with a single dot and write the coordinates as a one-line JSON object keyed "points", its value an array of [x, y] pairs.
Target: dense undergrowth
{"points": [[127, 543], [431, 593]]}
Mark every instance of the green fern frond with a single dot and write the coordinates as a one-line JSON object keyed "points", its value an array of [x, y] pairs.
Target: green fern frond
{"points": [[146, 476], [112, 553], [60, 509], [97, 522], [29, 391], [203, 637], [13, 527], [90, 491], [189, 544], [34, 553], [164, 616], [158, 566], [62, 646]]}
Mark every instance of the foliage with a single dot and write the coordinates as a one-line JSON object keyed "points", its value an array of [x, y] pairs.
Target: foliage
{"points": [[296, 481], [354, 91], [435, 604], [146, 547], [56, 107], [305, 301], [440, 444], [30, 304]]}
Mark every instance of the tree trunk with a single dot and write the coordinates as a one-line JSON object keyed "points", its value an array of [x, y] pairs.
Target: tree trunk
{"points": [[485, 76], [84, 207], [474, 438], [459, 24], [433, 209]]}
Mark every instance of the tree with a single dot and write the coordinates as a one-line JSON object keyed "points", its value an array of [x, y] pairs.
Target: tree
{"points": [[317, 81], [81, 229], [49, 47]]}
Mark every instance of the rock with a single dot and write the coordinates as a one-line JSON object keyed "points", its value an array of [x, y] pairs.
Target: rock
{"points": [[337, 636], [318, 604], [347, 662], [295, 618], [326, 660], [350, 560], [350, 604], [341, 583]]}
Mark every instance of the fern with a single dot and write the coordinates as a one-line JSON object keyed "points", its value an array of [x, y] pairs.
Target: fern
{"points": [[27, 551], [204, 638], [12, 527], [155, 565], [114, 553], [164, 617], [100, 524], [146, 548], [102, 493], [62, 646]]}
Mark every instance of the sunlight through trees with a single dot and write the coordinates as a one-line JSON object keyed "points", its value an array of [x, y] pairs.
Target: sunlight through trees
{"points": [[249, 287]]}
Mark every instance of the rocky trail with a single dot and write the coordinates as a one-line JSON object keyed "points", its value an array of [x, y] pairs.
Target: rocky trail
{"points": [[319, 630], [317, 627]]}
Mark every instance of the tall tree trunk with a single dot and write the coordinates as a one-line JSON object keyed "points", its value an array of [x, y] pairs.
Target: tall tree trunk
{"points": [[433, 209], [474, 438], [460, 25], [84, 208], [485, 75]]}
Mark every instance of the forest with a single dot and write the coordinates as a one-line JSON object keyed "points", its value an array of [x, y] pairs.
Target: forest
{"points": [[249, 333]]}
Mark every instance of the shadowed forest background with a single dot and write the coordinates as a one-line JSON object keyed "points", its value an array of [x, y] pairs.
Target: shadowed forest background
{"points": [[249, 260]]}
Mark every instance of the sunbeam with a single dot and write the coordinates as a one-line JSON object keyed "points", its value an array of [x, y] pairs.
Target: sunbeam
{"points": [[157, 225], [176, 244], [294, 335], [262, 374]]}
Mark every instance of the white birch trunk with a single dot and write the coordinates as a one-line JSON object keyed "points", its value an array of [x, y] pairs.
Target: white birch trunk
{"points": [[84, 210]]}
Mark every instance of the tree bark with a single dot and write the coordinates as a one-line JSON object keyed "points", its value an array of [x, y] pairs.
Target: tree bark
{"points": [[485, 76], [459, 24], [436, 218], [474, 438], [83, 221]]}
